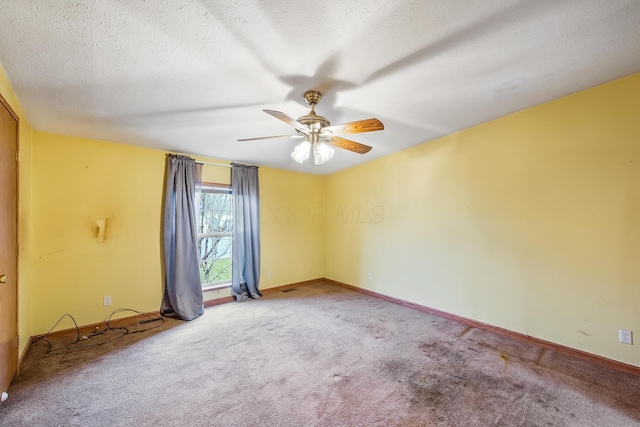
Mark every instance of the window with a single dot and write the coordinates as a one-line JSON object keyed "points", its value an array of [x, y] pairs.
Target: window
{"points": [[215, 224]]}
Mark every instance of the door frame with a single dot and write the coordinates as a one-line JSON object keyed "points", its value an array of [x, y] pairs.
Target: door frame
{"points": [[12, 112]]}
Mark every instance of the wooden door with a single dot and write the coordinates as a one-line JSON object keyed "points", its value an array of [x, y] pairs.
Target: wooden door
{"points": [[8, 245]]}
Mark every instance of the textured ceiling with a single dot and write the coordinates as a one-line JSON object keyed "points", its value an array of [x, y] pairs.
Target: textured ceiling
{"points": [[193, 75]]}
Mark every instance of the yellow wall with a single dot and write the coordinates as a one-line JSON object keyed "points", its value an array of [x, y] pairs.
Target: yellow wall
{"points": [[292, 224], [530, 222], [24, 213], [77, 181]]}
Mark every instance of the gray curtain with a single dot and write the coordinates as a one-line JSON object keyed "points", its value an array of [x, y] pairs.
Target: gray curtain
{"points": [[182, 291], [246, 232]]}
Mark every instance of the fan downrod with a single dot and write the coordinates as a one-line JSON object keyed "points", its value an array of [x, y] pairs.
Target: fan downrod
{"points": [[312, 120]]}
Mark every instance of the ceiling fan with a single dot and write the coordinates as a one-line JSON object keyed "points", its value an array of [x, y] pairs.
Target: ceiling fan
{"points": [[318, 133]]}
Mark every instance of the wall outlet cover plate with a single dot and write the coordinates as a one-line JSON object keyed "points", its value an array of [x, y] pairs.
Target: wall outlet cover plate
{"points": [[626, 337]]}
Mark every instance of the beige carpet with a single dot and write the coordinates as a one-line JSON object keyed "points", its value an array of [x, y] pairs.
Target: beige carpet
{"points": [[319, 355]]}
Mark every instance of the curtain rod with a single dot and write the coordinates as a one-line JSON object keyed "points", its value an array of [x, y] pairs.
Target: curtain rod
{"points": [[213, 164], [224, 166]]}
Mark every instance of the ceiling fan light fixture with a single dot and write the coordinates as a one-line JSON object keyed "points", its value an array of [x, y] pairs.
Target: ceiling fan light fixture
{"points": [[301, 152], [316, 130], [322, 153]]}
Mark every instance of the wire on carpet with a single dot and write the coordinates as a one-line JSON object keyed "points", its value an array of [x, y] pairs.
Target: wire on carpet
{"points": [[118, 331]]}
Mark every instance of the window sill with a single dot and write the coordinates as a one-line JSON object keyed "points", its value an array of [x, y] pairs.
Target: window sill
{"points": [[216, 287]]}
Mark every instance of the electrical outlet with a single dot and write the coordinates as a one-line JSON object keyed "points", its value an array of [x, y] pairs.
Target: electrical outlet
{"points": [[626, 337], [106, 301], [269, 274], [370, 276]]}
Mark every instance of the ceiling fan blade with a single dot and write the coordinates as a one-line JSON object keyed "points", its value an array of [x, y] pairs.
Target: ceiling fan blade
{"points": [[367, 125], [288, 120], [347, 144], [271, 137]]}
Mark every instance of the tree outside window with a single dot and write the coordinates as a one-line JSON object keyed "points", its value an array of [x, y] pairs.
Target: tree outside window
{"points": [[215, 225]]}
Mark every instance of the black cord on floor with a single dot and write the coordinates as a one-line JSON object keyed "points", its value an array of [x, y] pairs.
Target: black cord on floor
{"points": [[119, 331], [44, 337]]}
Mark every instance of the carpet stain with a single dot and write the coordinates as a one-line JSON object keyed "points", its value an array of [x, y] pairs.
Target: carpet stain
{"points": [[465, 386], [377, 329], [467, 329], [440, 351]]}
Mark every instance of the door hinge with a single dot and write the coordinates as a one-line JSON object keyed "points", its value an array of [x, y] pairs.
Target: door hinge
{"points": [[17, 341], [18, 156], [17, 249]]}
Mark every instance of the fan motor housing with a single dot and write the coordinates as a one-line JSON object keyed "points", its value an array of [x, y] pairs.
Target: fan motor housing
{"points": [[314, 121]]}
